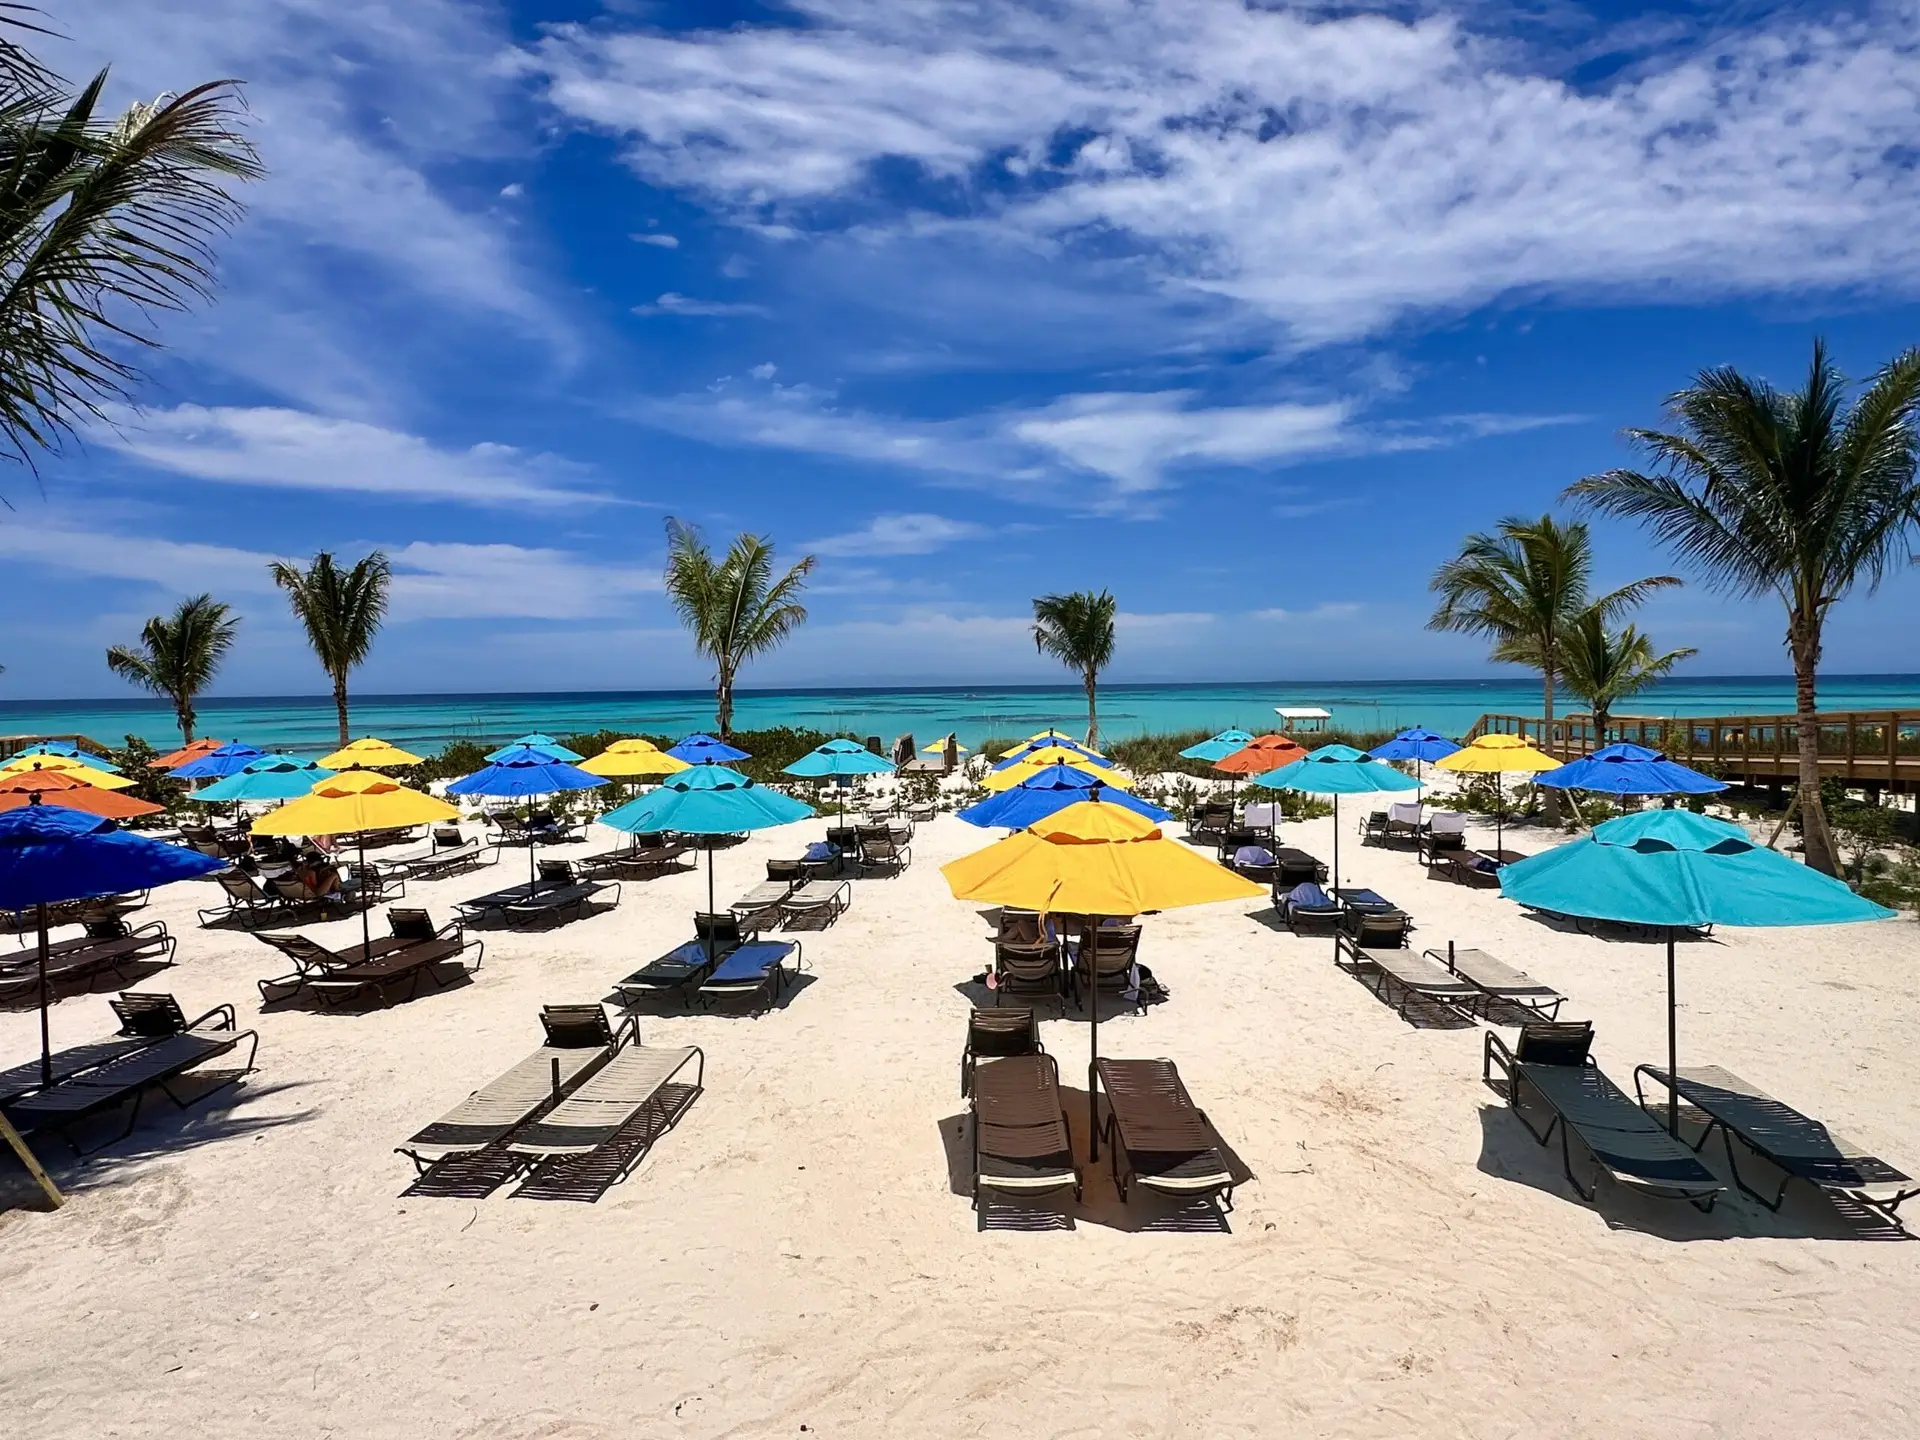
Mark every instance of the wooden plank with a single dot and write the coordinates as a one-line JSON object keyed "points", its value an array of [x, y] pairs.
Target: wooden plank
{"points": [[27, 1158]]}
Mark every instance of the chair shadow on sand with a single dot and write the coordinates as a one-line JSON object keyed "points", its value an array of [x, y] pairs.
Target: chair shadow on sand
{"points": [[163, 1129], [1508, 1152], [1144, 1211]]}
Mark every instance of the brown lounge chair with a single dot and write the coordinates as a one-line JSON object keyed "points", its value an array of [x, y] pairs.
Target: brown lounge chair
{"points": [[640, 1083], [130, 1078], [1550, 1066], [578, 1043], [882, 849], [81, 961], [1497, 980], [1413, 977], [761, 904], [1797, 1145], [1021, 1142], [1166, 1140], [145, 1019], [1116, 948], [818, 902], [1026, 960], [412, 952], [996, 1035]]}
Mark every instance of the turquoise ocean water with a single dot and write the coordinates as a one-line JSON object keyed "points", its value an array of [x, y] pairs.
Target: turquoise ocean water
{"points": [[306, 725]]}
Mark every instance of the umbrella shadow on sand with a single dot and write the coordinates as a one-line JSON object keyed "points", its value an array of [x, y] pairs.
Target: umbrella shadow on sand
{"points": [[1143, 1212], [163, 1130], [1509, 1153], [132, 974]]}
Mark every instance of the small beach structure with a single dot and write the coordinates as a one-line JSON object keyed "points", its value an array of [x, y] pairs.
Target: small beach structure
{"points": [[1298, 719]]}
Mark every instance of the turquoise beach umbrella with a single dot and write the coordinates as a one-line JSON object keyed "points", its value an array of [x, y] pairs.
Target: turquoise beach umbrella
{"points": [[839, 758], [1218, 747], [546, 744], [271, 777], [67, 750], [1675, 869], [1336, 770]]}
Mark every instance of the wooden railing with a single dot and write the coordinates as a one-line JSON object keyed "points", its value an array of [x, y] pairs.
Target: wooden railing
{"points": [[1871, 748], [11, 745]]}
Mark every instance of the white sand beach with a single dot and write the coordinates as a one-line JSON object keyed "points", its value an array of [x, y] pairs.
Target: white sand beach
{"points": [[799, 1256]]}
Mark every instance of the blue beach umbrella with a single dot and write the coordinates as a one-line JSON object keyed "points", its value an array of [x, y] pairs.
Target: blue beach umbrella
{"points": [[271, 777], [705, 750], [838, 758], [70, 751], [1218, 747], [218, 764], [524, 771], [707, 800], [1053, 788], [1336, 770], [1674, 869], [1625, 769], [49, 853], [1415, 744], [545, 744]]}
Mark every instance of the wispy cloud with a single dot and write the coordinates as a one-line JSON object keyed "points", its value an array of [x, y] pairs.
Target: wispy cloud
{"points": [[673, 303], [897, 535], [656, 238], [292, 449], [434, 581]]}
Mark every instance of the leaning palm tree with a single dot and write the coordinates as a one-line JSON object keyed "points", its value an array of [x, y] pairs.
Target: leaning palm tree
{"points": [[341, 611], [1077, 630], [104, 223], [1785, 493], [734, 606], [1604, 667], [178, 655]]}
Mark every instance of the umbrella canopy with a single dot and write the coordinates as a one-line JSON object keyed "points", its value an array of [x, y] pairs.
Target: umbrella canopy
{"points": [[192, 750], [219, 762], [368, 753], [1630, 770], [1337, 770], [1009, 776], [64, 765], [1051, 752], [1094, 859], [545, 744], [1051, 790], [1257, 757], [1218, 747], [626, 759], [1048, 736], [1675, 869], [1497, 755], [50, 853], [71, 751], [352, 802], [271, 777], [61, 787], [705, 750], [1415, 743], [839, 757], [524, 770], [939, 747]]}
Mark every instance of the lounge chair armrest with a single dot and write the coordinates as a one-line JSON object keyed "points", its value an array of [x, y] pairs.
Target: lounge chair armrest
{"points": [[225, 1014], [1495, 1052]]}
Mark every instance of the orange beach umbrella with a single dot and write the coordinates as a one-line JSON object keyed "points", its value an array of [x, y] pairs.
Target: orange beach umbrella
{"points": [[1256, 757], [61, 787]]}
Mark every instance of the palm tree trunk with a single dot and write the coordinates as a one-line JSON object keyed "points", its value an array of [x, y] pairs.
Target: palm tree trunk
{"points": [[1804, 641], [723, 704], [1093, 718], [183, 713], [1546, 719], [340, 703]]}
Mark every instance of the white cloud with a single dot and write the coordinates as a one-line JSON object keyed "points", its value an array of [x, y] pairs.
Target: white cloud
{"points": [[657, 238], [292, 449], [434, 581], [765, 370], [1329, 610], [673, 303], [1333, 171], [898, 535], [178, 567]]}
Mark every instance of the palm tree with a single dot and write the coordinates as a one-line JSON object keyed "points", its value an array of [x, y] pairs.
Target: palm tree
{"points": [[178, 655], [1077, 630], [103, 224], [1785, 493], [342, 611], [734, 607], [1604, 667]]}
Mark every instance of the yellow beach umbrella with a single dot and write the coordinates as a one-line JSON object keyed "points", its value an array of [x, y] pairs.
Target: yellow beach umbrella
{"points": [[627, 759], [1497, 755], [66, 765], [368, 753], [939, 747], [1094, 859], [352, 803], [1027, 768]]}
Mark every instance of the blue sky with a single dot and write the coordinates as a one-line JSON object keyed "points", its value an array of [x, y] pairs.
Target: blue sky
{"points": [[1247, 312]]}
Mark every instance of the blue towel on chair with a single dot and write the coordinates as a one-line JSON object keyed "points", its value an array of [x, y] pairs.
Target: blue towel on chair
{"points": [[1253, 855], [820, 852], [1309, 896]]}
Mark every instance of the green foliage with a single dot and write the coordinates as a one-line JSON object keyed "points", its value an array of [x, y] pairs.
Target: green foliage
{"points": [[135, 759], [462, 757]]}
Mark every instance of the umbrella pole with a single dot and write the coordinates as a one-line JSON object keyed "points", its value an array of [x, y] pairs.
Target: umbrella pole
{"points": [[1336, 843], [1093, 1042], [366, 931], [1673, 1047], [46, 1047], [710, 940]]}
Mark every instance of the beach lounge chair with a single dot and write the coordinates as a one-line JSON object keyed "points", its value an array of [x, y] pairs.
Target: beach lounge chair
{"points": [[1797, 1145], [25, 923], [758, 970], [1549, 1066], [882, 849], [249, 902], [1412, 977], [129, 1079], [1307, 909], [724, 931], [1021, 1143], [1445, 830], [1256, 862], [413, 951], [995, 1035], [1472, 868], [818, 903], [444, 863], [145, 1019], [761, 904], [153, 937], [296, 895], [676, 972], [1162, 1136], [1375, 924], [1297, 867], [83, 963], [578, 1043], [641, 1083], [922, 812], [1109, 966], [1497, 980], [446, 837], [1208, 821], [557, 904], [552, 875]]}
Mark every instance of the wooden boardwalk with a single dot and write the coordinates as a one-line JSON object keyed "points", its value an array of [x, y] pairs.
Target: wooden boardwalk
{"points": [[1874, 750]]}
